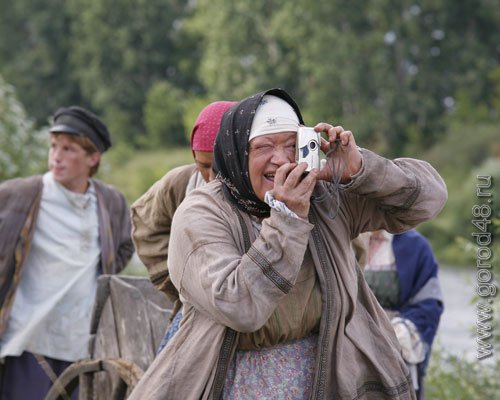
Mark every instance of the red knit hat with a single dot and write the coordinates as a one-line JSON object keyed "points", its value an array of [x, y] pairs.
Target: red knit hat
{"points": [[207, 124]]}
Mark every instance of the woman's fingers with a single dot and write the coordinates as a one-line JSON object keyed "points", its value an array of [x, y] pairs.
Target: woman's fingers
{"points": [[294, 188], [345, 149], [282, 172]]}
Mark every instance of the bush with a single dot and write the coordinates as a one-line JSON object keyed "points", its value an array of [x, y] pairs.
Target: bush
{"points": [[163, 115], [134, 172], [460, 157], [23, 150], [453, 378]]}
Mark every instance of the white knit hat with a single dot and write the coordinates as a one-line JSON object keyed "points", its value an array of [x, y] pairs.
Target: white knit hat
{"points": [[274, 115]]}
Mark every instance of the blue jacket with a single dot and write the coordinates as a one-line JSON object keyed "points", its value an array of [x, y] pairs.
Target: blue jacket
{"points": [[416, 267], [420, 298]]}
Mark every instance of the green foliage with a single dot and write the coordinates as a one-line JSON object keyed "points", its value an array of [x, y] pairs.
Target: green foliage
{"points": [[454, 378], [494, 78], [466, 151], [469, 111], [406, 77], [23, 149], [243, 51], [119, 121], [465, 145], [391, 72], [164, 105], [376, 70], [121, 48], [133, 173], [34, 47]]}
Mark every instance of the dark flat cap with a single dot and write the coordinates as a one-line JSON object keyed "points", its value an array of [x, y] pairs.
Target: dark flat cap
{"points": [[77, 120]]}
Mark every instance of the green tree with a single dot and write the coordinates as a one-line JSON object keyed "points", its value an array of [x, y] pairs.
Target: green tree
{"points": [[23, 150], [163, 107], [34, 48], [392, 70], [389, 70], [243, 52], [121, 48], [334, 46]]}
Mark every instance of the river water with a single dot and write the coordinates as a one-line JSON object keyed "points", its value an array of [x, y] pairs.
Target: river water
{"points": [[455, 334]]}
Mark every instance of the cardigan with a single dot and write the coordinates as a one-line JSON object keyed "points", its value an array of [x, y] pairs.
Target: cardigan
{"points": [[20, 201]]}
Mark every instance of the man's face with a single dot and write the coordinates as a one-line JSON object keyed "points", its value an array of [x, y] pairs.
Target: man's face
{"points": [[69, 163], [266, 154], [203, 161]]}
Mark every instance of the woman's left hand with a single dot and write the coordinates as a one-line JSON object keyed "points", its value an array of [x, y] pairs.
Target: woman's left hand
{"points": [[344, 148]]}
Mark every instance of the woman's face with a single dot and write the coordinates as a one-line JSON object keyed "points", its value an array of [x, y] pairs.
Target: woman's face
{"points": [[266, 154], [203, 161]]}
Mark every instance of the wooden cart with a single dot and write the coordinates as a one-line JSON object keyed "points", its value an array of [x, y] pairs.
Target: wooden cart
{"points": [[129, 320]]}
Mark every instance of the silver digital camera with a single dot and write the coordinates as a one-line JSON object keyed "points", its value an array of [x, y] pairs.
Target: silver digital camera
{"points": [[308, 147]]}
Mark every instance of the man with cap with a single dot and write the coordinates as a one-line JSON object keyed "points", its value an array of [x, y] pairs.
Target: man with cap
{"points": [[59, 231], [152, 213]]}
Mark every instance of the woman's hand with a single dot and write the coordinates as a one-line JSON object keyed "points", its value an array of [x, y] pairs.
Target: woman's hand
{"points": [[344, 149], [294, 188]]}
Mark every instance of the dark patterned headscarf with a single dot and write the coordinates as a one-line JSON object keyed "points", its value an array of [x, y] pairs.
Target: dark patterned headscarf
{"points": [[231, 152]]}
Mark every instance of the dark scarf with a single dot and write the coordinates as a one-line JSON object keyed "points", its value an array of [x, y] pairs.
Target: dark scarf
{"points": [[231, 152]]}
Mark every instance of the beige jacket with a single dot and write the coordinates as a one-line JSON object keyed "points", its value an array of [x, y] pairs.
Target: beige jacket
{"points": [[19, 204], [227, 289], [151, 216]]}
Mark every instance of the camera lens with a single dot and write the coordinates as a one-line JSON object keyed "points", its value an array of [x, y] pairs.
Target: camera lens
{"points": [[312, 145]]}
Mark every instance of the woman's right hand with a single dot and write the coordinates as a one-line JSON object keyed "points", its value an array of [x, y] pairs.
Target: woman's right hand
{"points": [[294, 188]]}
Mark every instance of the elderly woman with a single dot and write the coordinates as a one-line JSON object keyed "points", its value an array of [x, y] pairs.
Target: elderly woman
{"points": [[275, 305]]}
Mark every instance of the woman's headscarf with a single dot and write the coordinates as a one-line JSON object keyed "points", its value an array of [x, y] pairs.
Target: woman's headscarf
{"points": [[207, 124], [231, 152]]}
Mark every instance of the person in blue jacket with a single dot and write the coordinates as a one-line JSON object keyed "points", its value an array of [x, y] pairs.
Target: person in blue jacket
{"points": [[402, 272]]}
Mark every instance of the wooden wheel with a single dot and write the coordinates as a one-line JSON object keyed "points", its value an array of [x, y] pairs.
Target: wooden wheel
{"points": [[81, 374]]}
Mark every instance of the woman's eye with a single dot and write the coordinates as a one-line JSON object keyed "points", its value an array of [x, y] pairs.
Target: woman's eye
{"points": [[262, 147]]}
